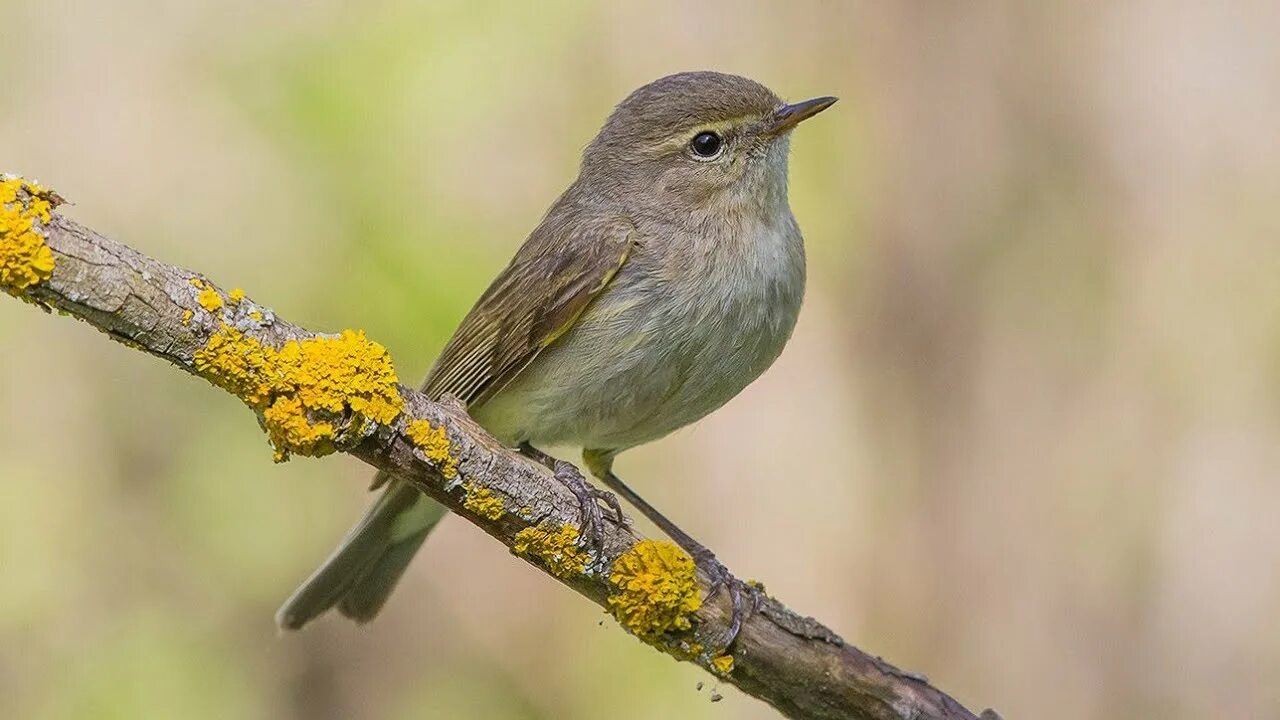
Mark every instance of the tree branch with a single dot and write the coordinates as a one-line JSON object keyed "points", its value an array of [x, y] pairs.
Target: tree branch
{"points": [[290, 377]]}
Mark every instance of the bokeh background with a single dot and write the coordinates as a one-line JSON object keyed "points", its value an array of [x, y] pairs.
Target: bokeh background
{"points": [[1025, 439]]}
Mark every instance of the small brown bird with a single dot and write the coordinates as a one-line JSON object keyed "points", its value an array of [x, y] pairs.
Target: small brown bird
{"points": [[660, 284]]}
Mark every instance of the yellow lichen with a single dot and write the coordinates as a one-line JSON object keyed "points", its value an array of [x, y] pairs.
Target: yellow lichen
{"points": [[255, 316], [556, 547], [210, 300], [315, 395], [434, 443], [349, 372], [483, 502], [291, 431], [239, 364], [723, 664], [236, 296], [186, 317], [25, 259], [655, 589]]}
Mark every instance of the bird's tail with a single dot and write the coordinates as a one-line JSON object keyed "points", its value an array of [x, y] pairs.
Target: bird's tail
{"points": [[360, 575]]}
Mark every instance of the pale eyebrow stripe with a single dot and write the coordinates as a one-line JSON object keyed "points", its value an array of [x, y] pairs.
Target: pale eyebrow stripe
{"points": [[719, 126]]}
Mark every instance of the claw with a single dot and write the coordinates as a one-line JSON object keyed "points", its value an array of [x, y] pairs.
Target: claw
{"points": [[722, 579], [614, 506], [589, 499]]}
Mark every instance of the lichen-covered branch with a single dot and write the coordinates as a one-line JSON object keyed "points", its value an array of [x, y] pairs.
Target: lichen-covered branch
{"points": [[315, 394]]}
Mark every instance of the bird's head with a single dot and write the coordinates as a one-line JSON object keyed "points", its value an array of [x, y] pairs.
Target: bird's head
{"points": [[696, 140]]}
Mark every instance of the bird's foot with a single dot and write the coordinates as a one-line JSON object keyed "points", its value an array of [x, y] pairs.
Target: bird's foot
{"points": [[589, 499], [745, 598]]}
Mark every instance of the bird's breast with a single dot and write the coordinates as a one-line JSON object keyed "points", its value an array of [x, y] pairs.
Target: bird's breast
{"points": [[736, 305]]}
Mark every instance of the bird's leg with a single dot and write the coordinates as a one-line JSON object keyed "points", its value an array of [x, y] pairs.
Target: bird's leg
{"points": [[589, 497], [721, 578]]}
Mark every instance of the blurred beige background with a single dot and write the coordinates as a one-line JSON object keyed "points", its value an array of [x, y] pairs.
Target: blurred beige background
{"points": [[1024, 440]]}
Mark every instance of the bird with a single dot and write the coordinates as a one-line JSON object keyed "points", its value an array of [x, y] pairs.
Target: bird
{"points": [[664, 280]]}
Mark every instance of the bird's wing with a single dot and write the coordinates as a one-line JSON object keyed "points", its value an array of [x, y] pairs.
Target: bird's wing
{"points": [[560, 269]]}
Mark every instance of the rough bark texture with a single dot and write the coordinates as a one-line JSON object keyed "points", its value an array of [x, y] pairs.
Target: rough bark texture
{"points": [[792, 662]]}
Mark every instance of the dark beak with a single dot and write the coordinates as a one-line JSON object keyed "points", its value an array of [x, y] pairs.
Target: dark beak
{"points": [[788, 116]]}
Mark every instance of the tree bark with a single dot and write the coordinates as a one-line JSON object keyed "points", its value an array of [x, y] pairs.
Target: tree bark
{"points": [[792, 662]]}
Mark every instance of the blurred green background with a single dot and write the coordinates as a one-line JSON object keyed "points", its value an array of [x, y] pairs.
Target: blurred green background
{"points": [[1024, 439]]}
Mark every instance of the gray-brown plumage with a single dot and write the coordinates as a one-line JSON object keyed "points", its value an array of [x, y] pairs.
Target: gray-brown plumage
{"points": [[664, 280]]}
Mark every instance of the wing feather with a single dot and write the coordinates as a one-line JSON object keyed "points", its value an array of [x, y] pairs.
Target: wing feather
{"points": [[562, 267]]}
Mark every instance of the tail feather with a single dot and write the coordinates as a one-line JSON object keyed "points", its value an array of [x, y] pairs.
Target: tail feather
{"points": [[368, 594], [360, 575]]}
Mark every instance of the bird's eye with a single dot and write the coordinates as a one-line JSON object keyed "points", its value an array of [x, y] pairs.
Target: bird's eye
{"points": [[706, 145]]}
